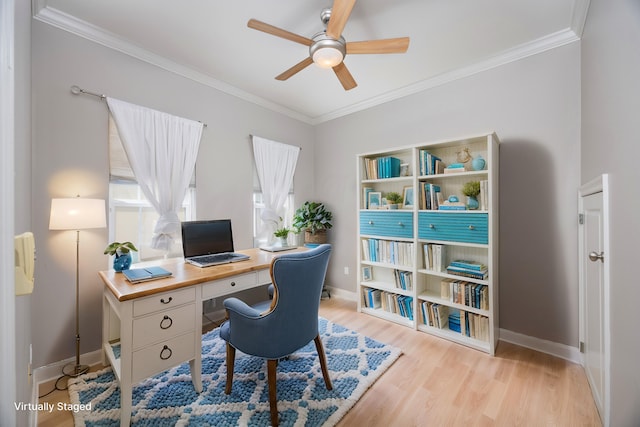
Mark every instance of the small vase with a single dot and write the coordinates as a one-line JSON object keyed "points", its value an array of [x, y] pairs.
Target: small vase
{"points": [[472, 203], [122, 262], [478, 163], [282, 242]]}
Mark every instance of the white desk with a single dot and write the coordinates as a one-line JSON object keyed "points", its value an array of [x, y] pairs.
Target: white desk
{"points": [[158, 324]]}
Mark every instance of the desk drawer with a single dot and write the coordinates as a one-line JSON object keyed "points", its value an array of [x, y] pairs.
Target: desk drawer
{"points": [[455, 227], [163, 301], [163, 325], [387, 223], [264, 276], [224, 287], [159, 357]]}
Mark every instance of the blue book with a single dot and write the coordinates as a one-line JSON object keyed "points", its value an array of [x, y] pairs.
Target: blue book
{"points": [[472, 265], [137, 275]]}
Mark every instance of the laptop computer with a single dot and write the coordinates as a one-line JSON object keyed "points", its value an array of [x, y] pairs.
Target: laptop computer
{"points": [[210, 242]]}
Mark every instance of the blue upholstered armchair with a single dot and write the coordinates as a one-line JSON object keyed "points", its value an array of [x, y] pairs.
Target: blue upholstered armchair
{"points": [[289, 323]]}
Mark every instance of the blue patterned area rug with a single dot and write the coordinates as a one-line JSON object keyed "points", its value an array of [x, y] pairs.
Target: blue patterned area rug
{"points": [[355, 362]]}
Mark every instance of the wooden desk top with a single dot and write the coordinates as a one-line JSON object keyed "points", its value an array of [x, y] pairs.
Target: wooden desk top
{"points": [[185, 274]]}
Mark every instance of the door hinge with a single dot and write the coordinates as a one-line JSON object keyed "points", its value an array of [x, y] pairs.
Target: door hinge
{"points": [[581, 347], [581, 219]]}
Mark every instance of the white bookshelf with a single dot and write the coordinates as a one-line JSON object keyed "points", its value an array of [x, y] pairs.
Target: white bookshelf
{"points": [[392, 241]]}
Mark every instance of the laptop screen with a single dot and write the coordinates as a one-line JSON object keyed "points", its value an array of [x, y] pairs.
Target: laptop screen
{"points": [[206, 237]]}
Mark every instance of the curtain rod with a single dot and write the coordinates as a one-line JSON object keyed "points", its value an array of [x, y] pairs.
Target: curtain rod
{"points": [[76, 90]]}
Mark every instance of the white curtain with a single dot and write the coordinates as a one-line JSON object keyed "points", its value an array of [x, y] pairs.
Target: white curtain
{"points": [[162, 151], [276, 165]]}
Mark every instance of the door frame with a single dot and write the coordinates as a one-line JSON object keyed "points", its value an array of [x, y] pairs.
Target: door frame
{"points": [[597, 185]]}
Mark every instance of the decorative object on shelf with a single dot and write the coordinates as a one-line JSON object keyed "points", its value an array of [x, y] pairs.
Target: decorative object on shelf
{"points": [[463, 156], [408, 197], [404, 169], [367, 275], [393, 199], [121, 253], [315, 220], [374, 199], [77, 214], [282, 234], [471, 189], [452, 204], [478, 163]]}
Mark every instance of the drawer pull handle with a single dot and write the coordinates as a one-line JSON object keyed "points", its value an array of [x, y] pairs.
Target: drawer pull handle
{"points": [[401, 224], [166, 322], [471, 227], [233, 283], [370, 222], [432, 226], [165, 353], [167, 301]]}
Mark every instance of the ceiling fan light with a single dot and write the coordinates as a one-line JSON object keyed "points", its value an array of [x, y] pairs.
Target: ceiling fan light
{"points": [[327, 57]]}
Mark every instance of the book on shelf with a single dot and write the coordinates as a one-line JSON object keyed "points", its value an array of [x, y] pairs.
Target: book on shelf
{"points": [[430, 196], [484, 195], [382, 167], [365, 196], [388, 252], [454, 168], [137, 275], [471, 265], [465, 272], [430, 164], [454, 321]]}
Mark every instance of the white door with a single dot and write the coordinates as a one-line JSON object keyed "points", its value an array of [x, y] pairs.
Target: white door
{"points": [[594, 294]]}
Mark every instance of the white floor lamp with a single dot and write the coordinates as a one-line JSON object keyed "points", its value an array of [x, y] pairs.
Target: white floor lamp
{"points": [[77, 214]]}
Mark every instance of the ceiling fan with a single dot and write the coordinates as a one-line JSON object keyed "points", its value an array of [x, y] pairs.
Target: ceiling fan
{"points": [[328, 48]]}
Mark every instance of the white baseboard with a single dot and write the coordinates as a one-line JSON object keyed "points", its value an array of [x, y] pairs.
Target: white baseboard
{"points": [[572, 354], [563, 351]]}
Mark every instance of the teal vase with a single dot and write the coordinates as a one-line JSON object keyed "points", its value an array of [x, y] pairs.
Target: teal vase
{"points": [[472, 203], [478, 163], [122, 262]]}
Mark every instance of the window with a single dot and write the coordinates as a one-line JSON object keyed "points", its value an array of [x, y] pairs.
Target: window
{"points": [[258, 205], [132, 218]]}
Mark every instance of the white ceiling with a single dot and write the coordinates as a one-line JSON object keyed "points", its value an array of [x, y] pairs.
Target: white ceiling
{"points": [[208, 41]]}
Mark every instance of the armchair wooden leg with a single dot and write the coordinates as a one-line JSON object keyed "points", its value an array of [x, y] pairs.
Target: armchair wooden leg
{"points": [[323, 362], [231, 358], [272, 366]]}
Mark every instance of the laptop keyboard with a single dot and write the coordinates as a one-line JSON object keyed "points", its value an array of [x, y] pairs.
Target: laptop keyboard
{"points": [[206, 259]]}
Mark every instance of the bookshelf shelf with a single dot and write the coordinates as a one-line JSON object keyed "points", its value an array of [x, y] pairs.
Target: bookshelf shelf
{"points": [[404, 253]]}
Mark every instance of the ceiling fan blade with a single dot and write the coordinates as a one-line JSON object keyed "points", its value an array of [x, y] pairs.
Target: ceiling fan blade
{"points": [[339, 15], [344, 76], [397, 45], [295, 69], [279, 32]]}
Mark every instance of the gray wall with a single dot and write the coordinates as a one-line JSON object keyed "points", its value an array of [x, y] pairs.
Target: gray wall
{"points": [[70, 158], [610, 106], [534, 107]]}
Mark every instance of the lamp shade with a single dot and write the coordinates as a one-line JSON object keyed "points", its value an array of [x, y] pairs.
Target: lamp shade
{"points": [[76, 213]]}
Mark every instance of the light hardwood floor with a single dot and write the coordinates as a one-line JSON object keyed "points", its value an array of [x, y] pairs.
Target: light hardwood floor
{"points": [[438, 383]]}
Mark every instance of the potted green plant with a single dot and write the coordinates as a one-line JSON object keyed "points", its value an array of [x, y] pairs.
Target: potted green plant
{"points": [[282, 234], [315, 220], [121, 253], [471, 189], [393, 199]]}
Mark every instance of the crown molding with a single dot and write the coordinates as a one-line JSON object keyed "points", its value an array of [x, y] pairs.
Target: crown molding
{"points": [[63, 21], [540, 45], [73, 25]]}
